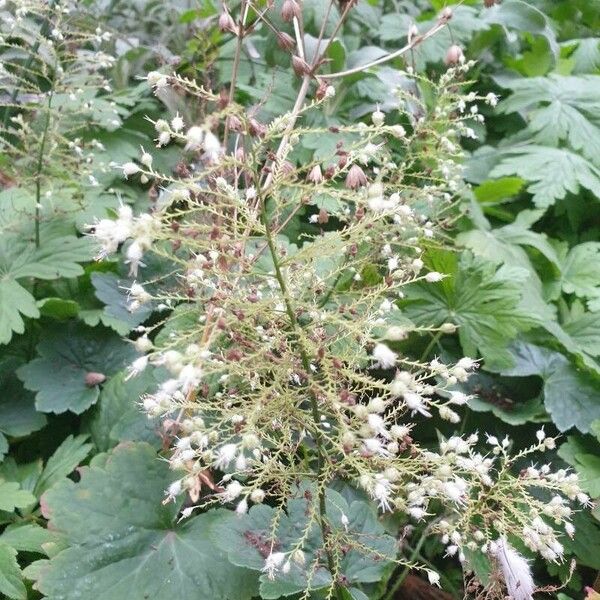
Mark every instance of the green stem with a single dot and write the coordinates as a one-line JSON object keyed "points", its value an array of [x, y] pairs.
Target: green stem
{"points": [[313, 400], [429, 348], [38, 174], [44, 31], [400, 580]]}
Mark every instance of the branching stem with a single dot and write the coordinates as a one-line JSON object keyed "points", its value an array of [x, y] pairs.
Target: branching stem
{"points": [[321, 452]]}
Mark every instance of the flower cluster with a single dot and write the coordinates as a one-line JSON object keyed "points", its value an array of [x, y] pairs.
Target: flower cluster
{"points": [[282, 359]]}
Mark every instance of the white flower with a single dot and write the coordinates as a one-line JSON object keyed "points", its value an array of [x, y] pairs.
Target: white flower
{"points": [[189, 377], [515, 571], [384, 357], [272, 564], [225, 455], [433, 277], [416, 404], [232, 491], [137, 366], [434, 578], [194, 138], [130, 168], [212, 146], [345, 521], [257, 496], [329, 91], [177, 123], [134, 258], [378, 118], [381, 492], [146, 158]]}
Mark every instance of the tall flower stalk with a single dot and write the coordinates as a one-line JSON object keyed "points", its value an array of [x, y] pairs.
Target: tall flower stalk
{"points": [[282, 361]]}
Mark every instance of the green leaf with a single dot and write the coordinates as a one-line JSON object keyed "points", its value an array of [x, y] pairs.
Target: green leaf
{"points": [[11, 583], [18, 416], [559, 109], [12, 496], [125, 543], [14, 302], [482, 299], [112, 291], [117, 416], [57, 308], [243, 537], [570, 395], [585, 331], [28, 537], [67, 355], [65, 458], [552, 172], [497, 190], [581, 271], [521, 16]]}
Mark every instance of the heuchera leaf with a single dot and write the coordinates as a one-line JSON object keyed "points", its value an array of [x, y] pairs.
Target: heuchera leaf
{"points": [[482, 299], [559, 109], [552, 172], [118, 418], [66, 355], [11, 583], [123, 542], [246, 538], [570, 396]]}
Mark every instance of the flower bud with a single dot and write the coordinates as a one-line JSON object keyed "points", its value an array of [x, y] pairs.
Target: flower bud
{"points": [[446, 14], [289, 10], [448, 328], [454, 56], [378, 118], [315, 175], [256, 129], [130, 168], [285, 41], [356, 178], [92, 379], [226, 23], [301, 67]]}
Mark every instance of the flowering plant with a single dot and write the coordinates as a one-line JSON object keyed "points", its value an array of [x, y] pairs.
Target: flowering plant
{"points": [[282, 369]]}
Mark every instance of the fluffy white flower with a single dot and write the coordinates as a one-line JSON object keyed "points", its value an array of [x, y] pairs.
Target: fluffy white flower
{"points": [[272, 564], [515, 571], [384, 357], [225, 455], [212, 146], [194, 138], [130, 168]]}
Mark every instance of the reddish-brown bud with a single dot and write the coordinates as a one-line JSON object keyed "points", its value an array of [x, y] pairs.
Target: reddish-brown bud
{"points": [[301, 67], [289, 10], [454, 56], [226, 23], [234, 123], [240, 154], [285, 41], [356, 178], [92, 379], [323, 217], [315, 175], [489, 3], [287, 168], [321, 89], [256, 128], [223, 99]]}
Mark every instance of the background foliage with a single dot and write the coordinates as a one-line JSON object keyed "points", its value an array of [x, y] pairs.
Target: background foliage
{"points": [[524, 285]]}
